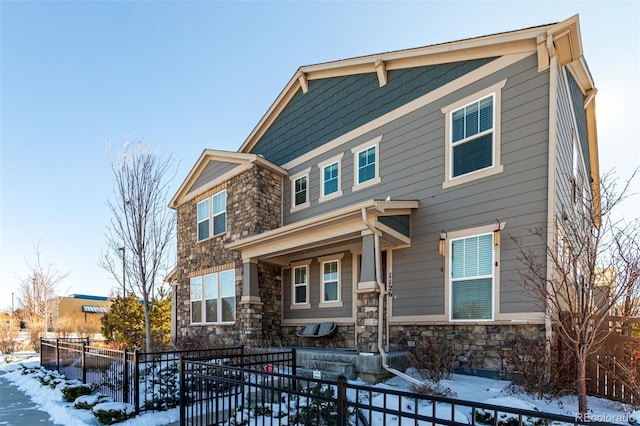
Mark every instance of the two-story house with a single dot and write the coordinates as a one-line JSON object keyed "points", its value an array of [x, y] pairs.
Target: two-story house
{"points": [[380, 193]]}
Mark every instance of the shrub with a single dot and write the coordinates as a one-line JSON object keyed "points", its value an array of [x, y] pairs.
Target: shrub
{"points": [[433, 359], [109, 413], [73, 389], [541, 368], [87, 402], [433, 389]]}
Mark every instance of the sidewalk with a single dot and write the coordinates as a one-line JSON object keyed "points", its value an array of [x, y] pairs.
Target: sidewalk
{"points": [[16, 408]]}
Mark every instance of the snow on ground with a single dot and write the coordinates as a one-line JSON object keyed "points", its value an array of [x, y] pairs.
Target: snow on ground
{"points": [[468, 388]]}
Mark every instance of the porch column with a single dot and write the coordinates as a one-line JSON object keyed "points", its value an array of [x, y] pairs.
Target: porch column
{"points": [[250, 315], [367, 279], [367, 312]]}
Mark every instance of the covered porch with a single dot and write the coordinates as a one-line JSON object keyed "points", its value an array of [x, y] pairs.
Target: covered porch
{"points": [[360, 240]]}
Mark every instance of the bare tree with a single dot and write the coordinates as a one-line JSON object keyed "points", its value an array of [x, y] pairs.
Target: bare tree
{"points": [[38, 294], [141, 228], [593, 265]]}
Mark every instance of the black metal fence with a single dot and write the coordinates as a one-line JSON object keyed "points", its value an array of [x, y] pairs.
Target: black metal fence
{"points": [[216, 393], [148, 381]]}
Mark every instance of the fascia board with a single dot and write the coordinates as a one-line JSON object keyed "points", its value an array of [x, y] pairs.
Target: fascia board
{"points": [[209, 155]]}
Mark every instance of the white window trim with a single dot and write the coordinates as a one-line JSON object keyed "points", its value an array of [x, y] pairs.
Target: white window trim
{"points": [[303, 173], [358, 149], [306, 264], [334, 303], [198, 222], [497, 167], [202, 300], [333, 160], [209, 200], [465, 233], [212, 215]]}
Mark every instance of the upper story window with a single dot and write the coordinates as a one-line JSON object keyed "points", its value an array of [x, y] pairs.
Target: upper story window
{"points": [[366, 160], [212, 216], [472, 134], [472, 137], [300, 190], [471, 261], [213, 298], [330, 180]]}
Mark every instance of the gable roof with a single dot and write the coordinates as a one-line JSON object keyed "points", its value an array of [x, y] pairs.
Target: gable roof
{"points": [[242, 160], [560, 39]]}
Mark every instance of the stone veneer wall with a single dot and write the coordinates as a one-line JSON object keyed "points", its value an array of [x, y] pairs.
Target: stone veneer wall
{"points": [[253, 206], [475, 346]]}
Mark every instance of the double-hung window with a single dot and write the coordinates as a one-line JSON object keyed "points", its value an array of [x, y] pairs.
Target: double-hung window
{"points": [[366, 164], [213, 298], [300, 190], [472, 137], [330, 179], [212, 216], [472, 277], [300, 285], [330, 281], [472, 134]]}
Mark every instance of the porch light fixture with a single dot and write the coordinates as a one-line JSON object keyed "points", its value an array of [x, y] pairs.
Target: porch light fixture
{"points": [[496, 234], [441, 243]]}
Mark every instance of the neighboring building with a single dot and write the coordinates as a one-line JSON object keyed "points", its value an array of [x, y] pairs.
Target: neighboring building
{"points": [[380, 193], [80, 312]]}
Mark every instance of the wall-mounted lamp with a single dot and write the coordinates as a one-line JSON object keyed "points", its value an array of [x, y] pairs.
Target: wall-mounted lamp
{"points": [[496, 234], [441, 243]]}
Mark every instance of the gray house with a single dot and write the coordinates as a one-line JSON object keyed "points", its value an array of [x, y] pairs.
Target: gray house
{"points": [[379, 193]]}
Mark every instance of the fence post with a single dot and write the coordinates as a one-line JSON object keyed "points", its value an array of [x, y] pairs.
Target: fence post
{"points": [[136, 380], [342, 401], [293, 361], [183, 397], [41, 353], [57, 354], [125, 378], [84, 362]]}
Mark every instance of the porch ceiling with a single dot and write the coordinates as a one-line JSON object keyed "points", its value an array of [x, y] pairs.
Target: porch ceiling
{"points": [[329, 232]]}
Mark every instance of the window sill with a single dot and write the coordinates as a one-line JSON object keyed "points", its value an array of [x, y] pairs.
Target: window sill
{"points": [[336, 304], [213, 237], [330, 197], [469, 177], [366, 184], [300, 207], [208, 324], [300, 306]]}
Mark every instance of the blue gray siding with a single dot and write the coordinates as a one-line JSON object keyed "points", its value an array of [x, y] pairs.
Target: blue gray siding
{"points": [[346, 293], [334, 106], [577, 101], [212, 170], [412, 168]]}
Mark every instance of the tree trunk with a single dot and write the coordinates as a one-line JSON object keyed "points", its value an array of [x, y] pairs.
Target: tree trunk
{"points": [[582, 383], [147, 326]]}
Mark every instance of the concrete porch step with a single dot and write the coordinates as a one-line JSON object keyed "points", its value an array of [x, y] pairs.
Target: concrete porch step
{"points": [[331, 368], [331, 376]]}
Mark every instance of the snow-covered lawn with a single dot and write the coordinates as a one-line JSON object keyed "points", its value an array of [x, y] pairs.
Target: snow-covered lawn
{"points": [[469, 388]]}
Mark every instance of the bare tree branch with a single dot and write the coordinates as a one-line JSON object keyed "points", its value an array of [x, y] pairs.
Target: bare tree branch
{"points": [[141, 223], [594, 262]]}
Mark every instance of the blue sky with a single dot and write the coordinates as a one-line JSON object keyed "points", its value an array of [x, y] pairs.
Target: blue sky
{"points": [[76, 76]]}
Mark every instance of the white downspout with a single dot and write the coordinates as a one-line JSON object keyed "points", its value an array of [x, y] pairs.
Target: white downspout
{"points": [[383, 293]]}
